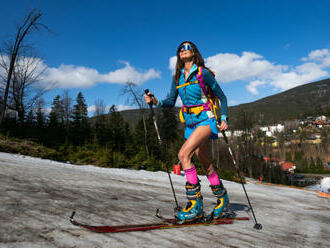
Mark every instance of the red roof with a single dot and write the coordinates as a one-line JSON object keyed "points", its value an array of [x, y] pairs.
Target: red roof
{"points": [[285, 166]]}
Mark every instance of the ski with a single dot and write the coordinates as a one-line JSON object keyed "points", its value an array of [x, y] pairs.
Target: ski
{"points": [[145, 227], [206, 219]]}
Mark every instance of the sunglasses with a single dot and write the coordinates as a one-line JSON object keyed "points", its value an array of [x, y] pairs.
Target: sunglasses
{"points": [[185, 47]]}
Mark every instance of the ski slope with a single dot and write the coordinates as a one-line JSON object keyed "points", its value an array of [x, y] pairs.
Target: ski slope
{"points": [[37, 196]]}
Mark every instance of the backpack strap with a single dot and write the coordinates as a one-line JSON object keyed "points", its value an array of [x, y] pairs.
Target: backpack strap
{"points": [[201, 80], [209, 94], [186, 84]]}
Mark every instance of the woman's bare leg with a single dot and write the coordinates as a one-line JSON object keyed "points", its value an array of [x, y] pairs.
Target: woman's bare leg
{"points": [[202, 152], [198, 137]]}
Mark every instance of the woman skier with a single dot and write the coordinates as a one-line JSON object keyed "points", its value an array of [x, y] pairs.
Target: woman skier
{"points": [[197, 87]]}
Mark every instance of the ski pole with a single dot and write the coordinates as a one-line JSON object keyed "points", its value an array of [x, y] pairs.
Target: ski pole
{"points": [[257, 225], [178, 208]]}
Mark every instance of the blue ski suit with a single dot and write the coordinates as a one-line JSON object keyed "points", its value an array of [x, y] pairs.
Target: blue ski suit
{"points": [[193, 95]]}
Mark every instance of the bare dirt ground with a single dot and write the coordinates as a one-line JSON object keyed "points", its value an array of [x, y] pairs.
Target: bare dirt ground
{"points": [[37, 197]]}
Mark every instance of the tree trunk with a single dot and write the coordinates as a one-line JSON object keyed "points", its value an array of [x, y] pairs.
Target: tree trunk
{"points": [[29, 23]]}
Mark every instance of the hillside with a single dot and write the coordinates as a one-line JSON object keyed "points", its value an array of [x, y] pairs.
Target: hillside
{"points": [[299, 102]]}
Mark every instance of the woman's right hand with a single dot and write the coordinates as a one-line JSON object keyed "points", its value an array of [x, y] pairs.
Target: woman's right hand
{"points": [[150, 98]]}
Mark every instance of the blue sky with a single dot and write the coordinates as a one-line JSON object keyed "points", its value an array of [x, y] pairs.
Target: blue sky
{"points": [[256, 48]]}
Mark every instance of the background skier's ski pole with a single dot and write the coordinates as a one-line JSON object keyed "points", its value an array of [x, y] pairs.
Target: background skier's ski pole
{"points": [[257, 225], [178, 208]]}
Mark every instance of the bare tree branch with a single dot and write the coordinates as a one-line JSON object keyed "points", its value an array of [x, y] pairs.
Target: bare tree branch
{"points": [[29, 25], [99, 107], [135, 98], [24, 90]]}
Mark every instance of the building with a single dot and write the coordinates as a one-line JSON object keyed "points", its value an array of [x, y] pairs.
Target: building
{"points": [[288, 167], [327, 166], [314, 140], [236, 133], [271, 130], [321, 118], [278, 128]]}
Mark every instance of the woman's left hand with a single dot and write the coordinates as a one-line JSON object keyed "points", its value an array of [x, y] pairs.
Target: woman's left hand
{"points": [[223, 126]]}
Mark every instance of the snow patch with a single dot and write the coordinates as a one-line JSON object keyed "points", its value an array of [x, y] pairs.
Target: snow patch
{"points": [[325, 185]]}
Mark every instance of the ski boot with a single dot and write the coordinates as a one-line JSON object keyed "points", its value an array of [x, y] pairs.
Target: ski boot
{"points": [[193, 211], [222, 209]]}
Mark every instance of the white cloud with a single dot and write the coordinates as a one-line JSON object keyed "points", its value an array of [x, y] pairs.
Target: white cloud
{"points": [[91, 109], [70, 76], [232, 67], [129, 73], [178, 102], [172, 64], [318, 54], [232, 102], [256, 70], [32, 67], [252, 87], [45, 111], [121, 107], [321, 56]]}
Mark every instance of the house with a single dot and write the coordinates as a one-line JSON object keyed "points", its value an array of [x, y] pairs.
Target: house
{"points": [[321, 118], [295, 141], [321, 121], [313, 140], [278, 128], [269, 134], [264, 129], [327, 166], [275, 144], [236, 133], [288, 167], [271, 130]]}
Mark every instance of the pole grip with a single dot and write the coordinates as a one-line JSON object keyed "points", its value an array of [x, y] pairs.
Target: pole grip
{"points": [[150, 103], [224, 136]]}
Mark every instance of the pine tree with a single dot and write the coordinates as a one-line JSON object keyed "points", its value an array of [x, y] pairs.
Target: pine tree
{"points": [[67, 109], [304, 164], [319, 164], [119, 131], [298, 156], [40, 122], [56, 132], [312, 164], [56, 114], [170, 134], [30, 119], [288, 156], [40, 116], [100, 131], [80, 130], [168, 125]]}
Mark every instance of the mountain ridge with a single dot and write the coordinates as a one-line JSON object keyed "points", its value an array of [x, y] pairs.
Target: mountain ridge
{"points": [[295, 103]]}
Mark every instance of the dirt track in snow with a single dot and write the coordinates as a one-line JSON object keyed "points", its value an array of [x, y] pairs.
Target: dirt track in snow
{"points": [[37, 196]]}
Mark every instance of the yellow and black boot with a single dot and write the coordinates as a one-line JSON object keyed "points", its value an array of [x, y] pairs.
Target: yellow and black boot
{"points": [[222, 208], [194, 208]]}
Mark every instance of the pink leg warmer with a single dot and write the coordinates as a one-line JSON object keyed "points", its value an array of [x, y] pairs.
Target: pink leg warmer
{"points": [[191, 175], [213, 178]]}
